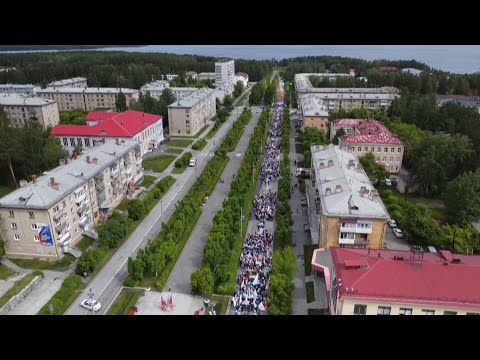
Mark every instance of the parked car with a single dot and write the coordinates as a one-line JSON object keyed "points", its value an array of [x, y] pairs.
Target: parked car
{"points": [[394, 182], [165, 139], [392, 223], [88, 304], [192, 162], [398, 233], [386, 182]]}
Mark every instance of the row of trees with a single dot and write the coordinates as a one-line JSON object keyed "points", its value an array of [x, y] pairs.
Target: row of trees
{"points": [[113, 69], [258, 92], [73, 117], [150, 105]]}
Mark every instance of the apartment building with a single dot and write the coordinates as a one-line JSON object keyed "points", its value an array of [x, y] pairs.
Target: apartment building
{"points": [[397, 282], [145, 128], [466, 101], [304, 85], [76, 82], [313, 112], [224, 71], [25, 90], [182, 92], [206, 76], [365, 136], [155, 88], [170, 77], [88, 98], [45, 217], [350, 211], [191, 75], [21, 110], [243, 77], [223, 90], [187, 116]]}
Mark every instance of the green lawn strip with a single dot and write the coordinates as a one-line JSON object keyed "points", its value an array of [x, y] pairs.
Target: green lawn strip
{"points": [[174, 151], [221, 305], [310, 292], [178, 170], [84, 243], [243, 97], [5, 190], [158, 163], [316, 312], [202, 130], [36, 264], [199, 144], [63, 298], [179, 143], [307, 256], [148, 180], [301, 185], [299, 148], [18, 286], [125, 301], [5, 272]]}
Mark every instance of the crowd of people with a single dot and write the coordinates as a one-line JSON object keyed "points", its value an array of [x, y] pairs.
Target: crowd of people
{"points": [[255, 264]]}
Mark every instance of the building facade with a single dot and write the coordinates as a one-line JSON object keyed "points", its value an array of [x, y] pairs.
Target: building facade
{"points": [[77, 82], [313, 112], [350, 211], [397, 282], [191, 75], [44, 218], [147, 129], [21, 110], [25, 90], [170, 77], [187, 116], [243, 77], [466, 101], [155, 89], [89, 99], [182, 92], [206, 76], [224, 72], [365, 136]]}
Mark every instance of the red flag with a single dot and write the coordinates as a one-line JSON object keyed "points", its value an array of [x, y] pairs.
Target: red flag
{"points": [[171, 302], [163, 302]]}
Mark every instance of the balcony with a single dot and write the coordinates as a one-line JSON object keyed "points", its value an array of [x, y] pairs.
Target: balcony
{"points": [[59, 215], [346, 241], [360, 228], [139, 161], [129, 170], [65, 239], [85, 221], [114, 173], [60, 227], [82, 209], [80, 198]]}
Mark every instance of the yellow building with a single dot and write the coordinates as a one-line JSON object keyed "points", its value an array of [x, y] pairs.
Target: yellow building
{"points": [[313, 112], [396, 282], [351, 213]]}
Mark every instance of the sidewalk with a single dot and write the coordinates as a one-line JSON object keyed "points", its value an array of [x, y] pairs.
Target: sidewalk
{"points": [[5, 285], [192, 254]]}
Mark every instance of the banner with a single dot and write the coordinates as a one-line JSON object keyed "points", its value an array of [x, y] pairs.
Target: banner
{"points": [[45, 234]]}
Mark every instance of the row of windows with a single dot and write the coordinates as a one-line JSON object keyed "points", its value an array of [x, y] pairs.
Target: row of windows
{"points": [[386, 310], [397, 159], [30, 214], [379, 149]]}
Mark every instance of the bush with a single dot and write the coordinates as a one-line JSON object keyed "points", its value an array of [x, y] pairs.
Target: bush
{"points": [[183, 161], [202, 281], [136, 209], [62, 299], [130, 282]]}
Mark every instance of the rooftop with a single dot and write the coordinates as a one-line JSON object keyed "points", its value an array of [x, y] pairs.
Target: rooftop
{"points": [[369, 131], [70, 177], [96, 115], [87, 90], [19, 101], [66, 81], [245, 75], [18, 86], [312, 105], [302, 81], [159, 84], [126, 124], [442, 278], [344, 187], [192, 99]]}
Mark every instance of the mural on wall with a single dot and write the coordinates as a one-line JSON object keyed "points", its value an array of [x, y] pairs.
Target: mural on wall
{"points": [[45, 234]]}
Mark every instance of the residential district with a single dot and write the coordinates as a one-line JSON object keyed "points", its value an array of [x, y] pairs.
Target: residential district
{"points": [[297, 202]]}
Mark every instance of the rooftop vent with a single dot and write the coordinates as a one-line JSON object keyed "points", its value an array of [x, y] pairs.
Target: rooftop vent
{"points": [[338, 188], [351, 163], [330, 163], [322, 165], [328, 191], [95, 161]]}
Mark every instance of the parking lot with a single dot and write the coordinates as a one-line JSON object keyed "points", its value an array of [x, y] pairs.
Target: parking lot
{"points": [[394, 243]]}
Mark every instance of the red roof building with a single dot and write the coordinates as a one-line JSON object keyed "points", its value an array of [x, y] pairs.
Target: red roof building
{"points": [[384, 282], [370, 136], [145, 128], [388, 68]]}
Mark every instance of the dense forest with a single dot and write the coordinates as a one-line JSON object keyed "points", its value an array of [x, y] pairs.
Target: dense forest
{"points": [[115, 69], [56, 47]]}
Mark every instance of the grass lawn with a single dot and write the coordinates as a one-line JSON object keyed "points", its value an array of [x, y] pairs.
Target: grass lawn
{"points": [[5, 190], [124, 204], [178, 170], [72, 286], [299, 148], [178, 143], [148, 180], [59, 265], [307, 256], [5, 272], [316, 312], [174, 151], [18, 286], [310, 292], [436, 206], [158, 163], [85, 243], [221, 305], [125, 301], [202, 130]]}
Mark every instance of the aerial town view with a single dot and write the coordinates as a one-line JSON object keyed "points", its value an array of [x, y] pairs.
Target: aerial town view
{"points": [[239, 180]]}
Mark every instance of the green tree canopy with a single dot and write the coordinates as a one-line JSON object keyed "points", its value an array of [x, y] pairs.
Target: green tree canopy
{"points": [[463, 198], [121, 102]]}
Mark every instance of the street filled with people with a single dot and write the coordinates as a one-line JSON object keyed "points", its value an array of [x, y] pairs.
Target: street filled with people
{"points": [[255, 263]]}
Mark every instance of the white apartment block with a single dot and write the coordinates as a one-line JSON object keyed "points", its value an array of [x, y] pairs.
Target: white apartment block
{"points": [[89, 98], [206, 76], [24, 90], [155, 89], [47, 216], [182, 92], [170, 77], [20, 110], [187, 116], [77, 82], [224, 71]]}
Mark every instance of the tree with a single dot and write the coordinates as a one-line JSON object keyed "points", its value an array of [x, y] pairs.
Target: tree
{"points": [[2, 247], [375, 171], [136, 209], [238, 89], [463, 198], [202, 281], [10, 149], [280, 294], [285, 262], [311, 136], [121, 102], [167, 98], [340, 132]]}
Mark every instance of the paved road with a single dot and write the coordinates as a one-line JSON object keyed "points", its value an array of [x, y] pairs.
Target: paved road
{"points": [[191, 256], [108, 281]]}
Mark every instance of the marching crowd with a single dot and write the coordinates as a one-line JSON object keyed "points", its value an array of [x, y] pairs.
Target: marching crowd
{"points": [[250, 297]]}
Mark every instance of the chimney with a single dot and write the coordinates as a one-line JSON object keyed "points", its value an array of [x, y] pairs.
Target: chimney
{"points": [[62, 162], [103, 140], [52, 180], [117, 141], [95, 161], [88, 159], [34, 178], [75, 154]]}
